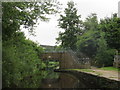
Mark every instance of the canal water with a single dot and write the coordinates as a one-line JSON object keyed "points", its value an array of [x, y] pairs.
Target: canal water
{"points": [[51, 79], [59, 80], [47, 78]]}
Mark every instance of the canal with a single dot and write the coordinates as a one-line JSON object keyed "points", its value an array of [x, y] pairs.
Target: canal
{"points": [[60, 80], [73, 79], [51, 79], [48, 78]]}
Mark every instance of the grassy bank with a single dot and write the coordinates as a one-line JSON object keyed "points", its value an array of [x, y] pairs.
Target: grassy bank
{"points": [[103, 68], [110, 68], [93, 71]]}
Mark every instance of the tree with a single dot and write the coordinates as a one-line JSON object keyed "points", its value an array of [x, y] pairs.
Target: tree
{"points": [[93, 43], [87, 41], [21, 60], [90, 23], [16, 14], [111, 27], [70, 22], [21, 57], [104, 55]]}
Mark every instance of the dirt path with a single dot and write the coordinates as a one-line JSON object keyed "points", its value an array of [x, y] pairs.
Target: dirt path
{"points": [[106, 73]]}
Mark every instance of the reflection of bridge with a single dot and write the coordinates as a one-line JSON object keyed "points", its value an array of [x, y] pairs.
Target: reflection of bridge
{"points": [[67, 59]]}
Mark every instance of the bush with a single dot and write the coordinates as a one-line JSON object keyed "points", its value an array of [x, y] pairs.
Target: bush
{"points": [[105, 58], [20, 63]]}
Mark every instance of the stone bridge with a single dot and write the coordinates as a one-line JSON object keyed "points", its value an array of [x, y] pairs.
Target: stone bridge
{"points": [[67, 60]]}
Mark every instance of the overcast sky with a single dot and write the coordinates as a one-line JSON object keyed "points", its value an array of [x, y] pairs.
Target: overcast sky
{"points": [[46, 32]]}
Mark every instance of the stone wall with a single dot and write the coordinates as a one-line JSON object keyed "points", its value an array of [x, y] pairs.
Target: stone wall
{"points": [[116, 62], [68, 62]]}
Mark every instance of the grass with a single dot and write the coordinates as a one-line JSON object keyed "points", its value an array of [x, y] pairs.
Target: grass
{"points": [[95, 72], [110, 68], [103, 68]]}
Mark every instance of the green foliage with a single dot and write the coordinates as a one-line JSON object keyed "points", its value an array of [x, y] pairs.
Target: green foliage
{"points": [[104, 55], [26, 14], [91, 22], [111, 27], [20, 60], [53, 64], [87, 43], [21, 57], [70, 22], [93, 42], [52, 75], [110, 68]]}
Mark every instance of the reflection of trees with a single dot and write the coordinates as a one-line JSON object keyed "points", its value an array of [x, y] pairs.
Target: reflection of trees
{"points": [[62, 81], [67, 80], [31, 81], [37, 80], [51, 75]]}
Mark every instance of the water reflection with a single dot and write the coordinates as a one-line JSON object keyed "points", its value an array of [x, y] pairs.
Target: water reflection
{"points": [[59, 80], [51, 79]]}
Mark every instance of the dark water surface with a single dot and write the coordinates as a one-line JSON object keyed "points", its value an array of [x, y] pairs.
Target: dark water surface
{"points": [[76, 80], [61, 80]]}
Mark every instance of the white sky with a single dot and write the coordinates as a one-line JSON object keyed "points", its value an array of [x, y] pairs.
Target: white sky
{"points": [[46, 32]]}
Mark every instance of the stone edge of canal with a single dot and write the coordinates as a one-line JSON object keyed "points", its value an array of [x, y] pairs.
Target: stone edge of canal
{"points": [[92, 81]]}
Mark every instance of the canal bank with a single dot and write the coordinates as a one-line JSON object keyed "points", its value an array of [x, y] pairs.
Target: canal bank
{"points": [[92, 80]]}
